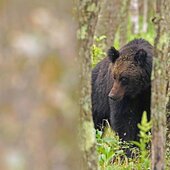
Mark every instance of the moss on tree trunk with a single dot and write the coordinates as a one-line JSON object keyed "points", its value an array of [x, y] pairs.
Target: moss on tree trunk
{"points": [[88, 15], [160, 84]]}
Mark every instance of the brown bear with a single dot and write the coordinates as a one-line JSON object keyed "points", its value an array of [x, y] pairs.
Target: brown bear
{"points": [[121, 88]]}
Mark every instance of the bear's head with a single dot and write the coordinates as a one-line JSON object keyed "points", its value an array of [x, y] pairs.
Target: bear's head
{"points": [[131, 71]]}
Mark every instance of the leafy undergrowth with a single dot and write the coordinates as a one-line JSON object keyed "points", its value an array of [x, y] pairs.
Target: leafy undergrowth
{"points": [[112, 152]]}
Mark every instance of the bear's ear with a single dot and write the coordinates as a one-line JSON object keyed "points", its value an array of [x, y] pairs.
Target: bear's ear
{"points": [[140, 57], [113, 54]]}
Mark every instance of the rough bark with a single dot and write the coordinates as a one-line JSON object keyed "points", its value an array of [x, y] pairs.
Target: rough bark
{"points": [[88, 15], [167, 16], [160, 84], [168, 90], [108, 21]]}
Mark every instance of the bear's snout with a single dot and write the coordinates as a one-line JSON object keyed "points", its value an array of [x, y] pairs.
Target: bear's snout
{"points": [[114, 97], [117, 92]]}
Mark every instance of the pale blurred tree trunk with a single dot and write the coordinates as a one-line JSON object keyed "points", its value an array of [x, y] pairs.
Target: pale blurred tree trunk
{"points": [[108, 21], [160, 84], [88, 15], [123, 24], [145, 15], [37, 106], [134, 9]]}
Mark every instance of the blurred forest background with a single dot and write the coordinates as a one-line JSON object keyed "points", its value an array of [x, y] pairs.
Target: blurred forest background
{"points": [[37, 85]]}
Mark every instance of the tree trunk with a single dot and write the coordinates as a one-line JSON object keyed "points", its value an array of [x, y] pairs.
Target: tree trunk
{"points": [[88, 15], [135, 16], [167, 16], [168, 116], [123, 28], [108, 21], [145, 14], [37, 107], [160, 84]]}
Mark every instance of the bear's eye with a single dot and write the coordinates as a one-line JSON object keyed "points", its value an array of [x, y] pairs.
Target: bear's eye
{"points": [[124, 80]]}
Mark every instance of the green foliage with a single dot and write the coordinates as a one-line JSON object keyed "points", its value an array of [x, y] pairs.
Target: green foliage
{"points": [[97, 50], [145, 139], [112, 151]]}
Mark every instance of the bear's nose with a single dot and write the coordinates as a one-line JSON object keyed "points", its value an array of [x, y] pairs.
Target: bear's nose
{"points": [[113, 97]]}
